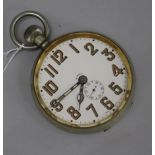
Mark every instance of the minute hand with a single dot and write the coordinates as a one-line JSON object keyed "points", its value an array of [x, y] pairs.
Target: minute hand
{"points": [[82, 80], [67, 92]]}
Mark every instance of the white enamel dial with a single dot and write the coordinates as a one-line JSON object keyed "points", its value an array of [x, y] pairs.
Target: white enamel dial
{"points": [[67, 100]]}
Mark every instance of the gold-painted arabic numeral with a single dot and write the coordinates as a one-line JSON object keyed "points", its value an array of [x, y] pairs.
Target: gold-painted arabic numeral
{"points": [[56, 105], [110, 55], [116, 70], [73, 112], [51, 70], [93, 109], [107, 103], [58, 57], [50, 87], [90, 47], [115, 88]]}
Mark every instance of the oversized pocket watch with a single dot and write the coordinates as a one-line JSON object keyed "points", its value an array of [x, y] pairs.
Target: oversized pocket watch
{"points": [[81, 81]]}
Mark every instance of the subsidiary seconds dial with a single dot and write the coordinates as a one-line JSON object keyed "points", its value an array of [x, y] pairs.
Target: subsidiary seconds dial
{"points": [[94, 90], [98, 95]]}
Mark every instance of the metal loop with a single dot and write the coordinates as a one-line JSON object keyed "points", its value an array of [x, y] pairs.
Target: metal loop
{"points": [[18, 18]]}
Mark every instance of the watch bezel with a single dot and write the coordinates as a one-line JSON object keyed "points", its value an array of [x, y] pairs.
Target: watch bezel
{"points": [[104, 124]]}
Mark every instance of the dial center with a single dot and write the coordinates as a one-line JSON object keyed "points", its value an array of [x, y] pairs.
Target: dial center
{"points": [[83, 79]]}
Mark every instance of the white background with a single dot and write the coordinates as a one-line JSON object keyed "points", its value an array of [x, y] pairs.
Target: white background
{"points": [[26, 131]]}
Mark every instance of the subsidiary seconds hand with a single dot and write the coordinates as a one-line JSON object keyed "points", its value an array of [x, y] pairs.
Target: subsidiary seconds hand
{"points": [[93, 91]]}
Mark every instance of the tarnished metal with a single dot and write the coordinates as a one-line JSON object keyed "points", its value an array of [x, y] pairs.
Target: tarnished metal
{"points": [[35, 36], [38, 39]]}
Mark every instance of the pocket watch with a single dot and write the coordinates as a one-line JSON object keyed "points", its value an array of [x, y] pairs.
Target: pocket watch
{"points": [[82, 81]]}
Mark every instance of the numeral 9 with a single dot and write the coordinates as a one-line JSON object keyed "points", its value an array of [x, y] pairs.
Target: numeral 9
{"points": [[56, 105]]}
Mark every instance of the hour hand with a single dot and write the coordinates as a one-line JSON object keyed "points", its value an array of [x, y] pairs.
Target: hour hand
{"points": [[80, 96]]}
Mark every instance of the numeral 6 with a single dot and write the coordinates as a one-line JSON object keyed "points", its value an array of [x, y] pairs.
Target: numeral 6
{"points": [[107, 103]]}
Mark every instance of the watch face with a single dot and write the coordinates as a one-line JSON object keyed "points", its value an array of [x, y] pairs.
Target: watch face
{"points": [[83, 80]]}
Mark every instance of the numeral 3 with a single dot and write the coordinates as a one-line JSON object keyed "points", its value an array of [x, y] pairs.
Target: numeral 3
{"points": [[110, 55]]}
